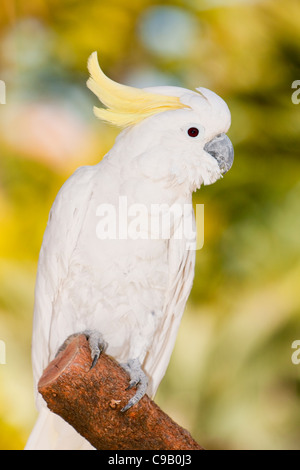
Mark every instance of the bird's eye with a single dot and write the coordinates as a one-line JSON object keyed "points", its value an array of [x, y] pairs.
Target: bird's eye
{"points": [[193, 132]]}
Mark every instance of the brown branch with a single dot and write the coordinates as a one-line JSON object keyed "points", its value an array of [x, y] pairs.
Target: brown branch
{"points": [[91, 401]]}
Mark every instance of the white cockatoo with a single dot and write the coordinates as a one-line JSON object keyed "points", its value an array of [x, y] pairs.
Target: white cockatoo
{"points": [[127, 293]]}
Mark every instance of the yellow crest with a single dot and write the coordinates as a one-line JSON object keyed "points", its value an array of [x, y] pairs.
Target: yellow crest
{"points": [[125, 105]]}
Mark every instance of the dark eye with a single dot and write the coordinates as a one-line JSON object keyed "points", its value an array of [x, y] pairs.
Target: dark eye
{"points": [[193, 132]]}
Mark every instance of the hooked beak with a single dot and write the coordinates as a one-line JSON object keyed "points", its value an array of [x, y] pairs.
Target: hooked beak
{"points": [[221, 149]]}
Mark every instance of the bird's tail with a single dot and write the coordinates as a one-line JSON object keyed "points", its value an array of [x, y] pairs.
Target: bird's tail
{"points": [[51, 432]]}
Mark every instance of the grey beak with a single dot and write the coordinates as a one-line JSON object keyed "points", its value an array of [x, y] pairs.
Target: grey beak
{"points": [[221, 149]]}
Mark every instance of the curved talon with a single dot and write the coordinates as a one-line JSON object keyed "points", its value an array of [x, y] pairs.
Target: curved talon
{"points": [[131, 385], [95, 360], [129, 405], [95, 340], [138, 378], [96, 344]]}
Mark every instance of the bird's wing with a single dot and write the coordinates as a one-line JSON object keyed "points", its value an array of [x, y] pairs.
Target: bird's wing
{"points": [[64, 225], [181, 275]]}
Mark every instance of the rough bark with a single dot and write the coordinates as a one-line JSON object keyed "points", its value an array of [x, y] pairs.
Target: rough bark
{"points": [[91, 400]]}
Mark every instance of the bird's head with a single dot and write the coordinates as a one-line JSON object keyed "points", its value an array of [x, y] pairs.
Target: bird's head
{"points": [[179, 132]]}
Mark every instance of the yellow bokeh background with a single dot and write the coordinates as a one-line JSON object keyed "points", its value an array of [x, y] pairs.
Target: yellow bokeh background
{"points": [[231, 381]]}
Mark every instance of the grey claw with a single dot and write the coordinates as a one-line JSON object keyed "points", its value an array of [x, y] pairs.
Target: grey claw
{"points": [[129, 405], [138, 378], [95, 360], [131, 385], [96, 343]]}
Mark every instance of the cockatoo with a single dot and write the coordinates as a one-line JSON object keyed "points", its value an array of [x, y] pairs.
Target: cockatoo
{"points": [[127, 294]]}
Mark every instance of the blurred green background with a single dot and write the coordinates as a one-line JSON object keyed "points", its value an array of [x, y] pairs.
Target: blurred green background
{"points": [[231, 381]]}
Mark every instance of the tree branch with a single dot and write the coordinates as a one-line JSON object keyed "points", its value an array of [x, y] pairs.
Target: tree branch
{"points": [[91, 402]]}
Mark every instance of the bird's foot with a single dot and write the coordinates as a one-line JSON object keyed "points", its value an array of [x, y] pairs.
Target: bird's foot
{"points": [[95, 340], [138, 379]]}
